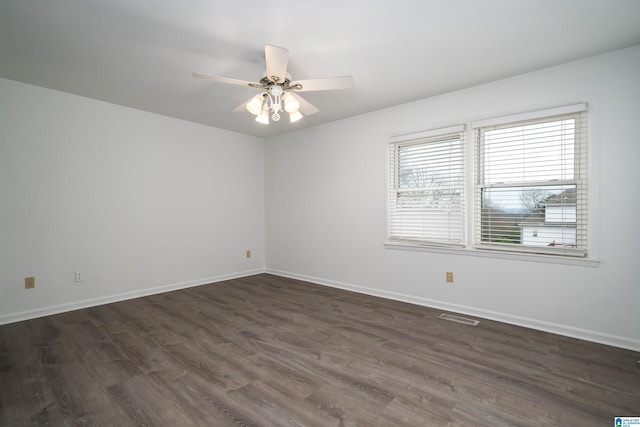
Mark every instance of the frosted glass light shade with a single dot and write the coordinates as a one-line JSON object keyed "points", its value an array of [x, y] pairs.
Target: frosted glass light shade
{"points": [[255, 105], [291, 104], [263, 117], [295, 116]]}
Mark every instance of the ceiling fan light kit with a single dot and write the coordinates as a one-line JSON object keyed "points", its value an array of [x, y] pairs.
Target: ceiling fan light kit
{"points": [[274, 100], [278, 89]]}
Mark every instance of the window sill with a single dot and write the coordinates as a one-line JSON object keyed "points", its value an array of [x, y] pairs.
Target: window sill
{"points": [[549, 259]]}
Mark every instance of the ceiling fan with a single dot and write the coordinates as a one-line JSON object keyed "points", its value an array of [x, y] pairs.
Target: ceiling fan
{"points": [[279, 90]]}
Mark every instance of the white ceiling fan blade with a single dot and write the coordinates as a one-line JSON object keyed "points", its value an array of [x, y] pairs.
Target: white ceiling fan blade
{"points": [[306, 107], [327, 83], [277, 59], [220, 79], [242, 107]]}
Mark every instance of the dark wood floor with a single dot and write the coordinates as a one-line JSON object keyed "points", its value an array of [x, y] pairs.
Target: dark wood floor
{"points": [[270, 351]]}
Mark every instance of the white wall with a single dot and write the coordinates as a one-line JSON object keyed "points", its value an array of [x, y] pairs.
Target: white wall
{"points": [[139, 202], [325, 207], [143, 203]]}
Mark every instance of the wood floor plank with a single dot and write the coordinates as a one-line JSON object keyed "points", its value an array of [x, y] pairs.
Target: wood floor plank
{"points": [[273, 351], [215, 402]]}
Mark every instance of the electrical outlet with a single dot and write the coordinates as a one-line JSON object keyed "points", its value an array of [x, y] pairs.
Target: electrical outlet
{"points": [[79, 276], [29, 282], [248, 254], [449, 276]]}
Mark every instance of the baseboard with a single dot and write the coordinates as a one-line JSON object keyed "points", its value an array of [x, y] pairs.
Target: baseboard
{"points": [[555, 328], [62, 308]]}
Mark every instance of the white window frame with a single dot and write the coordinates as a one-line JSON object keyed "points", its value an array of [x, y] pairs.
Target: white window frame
{"points": [[470, 247], [402, 220], [578, 180]]}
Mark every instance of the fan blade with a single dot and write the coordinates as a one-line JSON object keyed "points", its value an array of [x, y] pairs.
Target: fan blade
{"points": [[306, 107], [328, 83], [226, 80], [242, 107], [277, 59]]}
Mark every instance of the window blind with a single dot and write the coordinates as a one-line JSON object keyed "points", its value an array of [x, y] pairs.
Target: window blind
{"points": [[426, 182], [531, 188]]}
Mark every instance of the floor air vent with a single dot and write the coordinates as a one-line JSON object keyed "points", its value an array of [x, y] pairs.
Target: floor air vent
{"points": [[459, 319]]}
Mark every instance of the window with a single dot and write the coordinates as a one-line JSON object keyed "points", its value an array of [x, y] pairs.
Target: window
{"points": [[426, 197], [528, 181], [531, 190]]}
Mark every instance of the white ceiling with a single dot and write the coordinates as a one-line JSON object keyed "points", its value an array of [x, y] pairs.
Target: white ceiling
{"points": [[141, 53]]}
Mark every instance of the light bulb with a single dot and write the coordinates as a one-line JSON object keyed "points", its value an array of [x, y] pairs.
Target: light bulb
{"points": [[291, 104], [263, 117], [255, 105]]}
